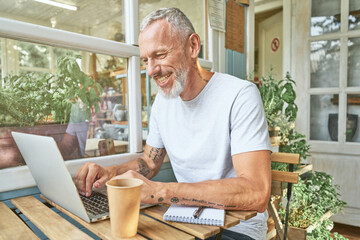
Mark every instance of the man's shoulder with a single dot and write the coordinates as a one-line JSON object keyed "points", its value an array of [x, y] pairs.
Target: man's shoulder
{"points": [[232, 82]]}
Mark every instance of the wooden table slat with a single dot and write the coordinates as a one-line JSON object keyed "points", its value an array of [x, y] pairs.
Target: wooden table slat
{"points": [[100, 228], [200, 231], [230, 221], [243, 215], [12, 227], [50, 223], [156, 230]]}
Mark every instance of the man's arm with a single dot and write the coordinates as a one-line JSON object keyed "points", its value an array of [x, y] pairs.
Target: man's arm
{"points": [[250, 190], [91, 174]]}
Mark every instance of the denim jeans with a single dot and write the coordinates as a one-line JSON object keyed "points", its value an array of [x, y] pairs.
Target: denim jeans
{"points": [[230, 235]]}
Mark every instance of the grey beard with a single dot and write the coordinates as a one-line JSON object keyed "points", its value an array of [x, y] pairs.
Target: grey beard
{"points": [[179, 85]]}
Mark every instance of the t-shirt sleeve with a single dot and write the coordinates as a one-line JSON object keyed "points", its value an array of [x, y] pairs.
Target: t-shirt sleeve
{"points": [[154, 138], [249, 131]]}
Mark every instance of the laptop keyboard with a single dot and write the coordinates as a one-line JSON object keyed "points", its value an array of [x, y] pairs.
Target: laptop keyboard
{"points": [[96, 204]]}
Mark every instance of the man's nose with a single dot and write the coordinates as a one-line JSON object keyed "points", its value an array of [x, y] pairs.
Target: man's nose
{"points": [[152, 68]]}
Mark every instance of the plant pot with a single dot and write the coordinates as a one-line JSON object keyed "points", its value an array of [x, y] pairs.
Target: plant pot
{"points": [[10, 155], [300, 233], [275, 136]]}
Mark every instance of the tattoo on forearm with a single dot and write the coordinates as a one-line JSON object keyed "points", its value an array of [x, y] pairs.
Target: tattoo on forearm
{"points": [[197, 201], [155, 154], [175, 200], [143, 167]]}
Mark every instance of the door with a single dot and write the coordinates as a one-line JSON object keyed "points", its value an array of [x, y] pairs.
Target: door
{"points": [[270, 46]]}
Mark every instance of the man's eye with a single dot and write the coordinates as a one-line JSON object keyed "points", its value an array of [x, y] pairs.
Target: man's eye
{"points": [[161, 55], [145, 61]]}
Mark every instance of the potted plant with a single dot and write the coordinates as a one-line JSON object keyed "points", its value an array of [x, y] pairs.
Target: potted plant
{"points": [[278, 98], [314, 200], [39, 104]]}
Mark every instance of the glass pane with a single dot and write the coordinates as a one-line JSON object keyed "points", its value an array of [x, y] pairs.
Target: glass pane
{"points": [[33, 55], [354, 15], [194, 10], [325, 16], [324, 109], [325, 63], [102, 19], [354, 62], [62, 52], [77, 110], [352, 120]]}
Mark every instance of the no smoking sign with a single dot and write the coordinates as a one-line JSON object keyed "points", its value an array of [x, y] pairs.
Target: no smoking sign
{"points": [[275, 44]]}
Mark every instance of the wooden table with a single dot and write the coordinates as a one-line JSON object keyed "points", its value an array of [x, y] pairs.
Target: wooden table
{"points": [[55, 226]]}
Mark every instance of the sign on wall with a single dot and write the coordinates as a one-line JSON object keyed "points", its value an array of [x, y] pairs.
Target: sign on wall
{"points": [[217, 13]]}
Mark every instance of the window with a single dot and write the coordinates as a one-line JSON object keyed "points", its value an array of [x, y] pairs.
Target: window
{"points": [[334, 83]]}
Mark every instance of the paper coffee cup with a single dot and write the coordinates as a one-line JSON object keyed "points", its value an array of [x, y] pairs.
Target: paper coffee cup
{"points": [[124, 206]]}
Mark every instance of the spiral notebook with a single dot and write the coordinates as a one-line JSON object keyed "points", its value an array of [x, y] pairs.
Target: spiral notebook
{"points": [[209, 216]]}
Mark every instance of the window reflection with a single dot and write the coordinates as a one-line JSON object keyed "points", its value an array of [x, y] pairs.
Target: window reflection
{"points": [[325, 63], [78, 98], [354, 62], [352, 119], [324, 109], [325, 16], [354, 15]]}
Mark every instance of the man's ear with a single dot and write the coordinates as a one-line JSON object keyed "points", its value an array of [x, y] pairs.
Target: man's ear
{"points": [[194, 45]]}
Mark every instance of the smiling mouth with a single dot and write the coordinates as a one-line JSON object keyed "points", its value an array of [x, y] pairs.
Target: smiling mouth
{"points": [[164, 78]]}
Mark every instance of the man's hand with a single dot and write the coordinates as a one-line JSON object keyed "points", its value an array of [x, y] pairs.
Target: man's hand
{"points": [[88, 175], [148, 190]]}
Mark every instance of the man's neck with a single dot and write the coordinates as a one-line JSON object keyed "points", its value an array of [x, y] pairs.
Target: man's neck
{"points": [[196, 80]]}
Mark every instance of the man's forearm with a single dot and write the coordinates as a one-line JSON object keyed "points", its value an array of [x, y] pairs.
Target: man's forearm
{"points": [[233, 194]]}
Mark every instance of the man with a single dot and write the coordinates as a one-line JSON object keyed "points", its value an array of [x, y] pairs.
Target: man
{"points": [[211, 125]]}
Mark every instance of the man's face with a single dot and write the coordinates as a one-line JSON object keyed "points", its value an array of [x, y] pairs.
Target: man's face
{"points": [[163, 53]]}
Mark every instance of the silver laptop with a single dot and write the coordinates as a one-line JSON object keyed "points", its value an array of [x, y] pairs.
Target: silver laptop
{"points": [[53, 179]]}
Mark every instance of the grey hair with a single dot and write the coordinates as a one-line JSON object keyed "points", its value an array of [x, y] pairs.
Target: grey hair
{"points": [[174, 16]]}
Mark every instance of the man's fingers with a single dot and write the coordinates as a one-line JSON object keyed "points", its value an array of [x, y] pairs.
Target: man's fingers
{"points": [[101, 181], [80, 179], [90, 178]]}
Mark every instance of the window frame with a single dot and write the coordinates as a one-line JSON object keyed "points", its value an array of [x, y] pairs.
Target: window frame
{"points": [[20, 177]]}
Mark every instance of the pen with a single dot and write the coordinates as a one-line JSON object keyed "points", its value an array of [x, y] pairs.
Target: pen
{"points": [[197, 212]]}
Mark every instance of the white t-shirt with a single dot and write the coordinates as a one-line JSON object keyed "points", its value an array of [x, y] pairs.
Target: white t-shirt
{"points": [[201, 135]]}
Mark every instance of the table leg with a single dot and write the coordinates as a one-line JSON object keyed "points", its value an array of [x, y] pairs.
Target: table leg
{"points": [[218, 236]]}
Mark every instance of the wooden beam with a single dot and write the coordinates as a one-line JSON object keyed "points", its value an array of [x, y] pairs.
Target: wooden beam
{"points": [[290, 158], [281, 176]]}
